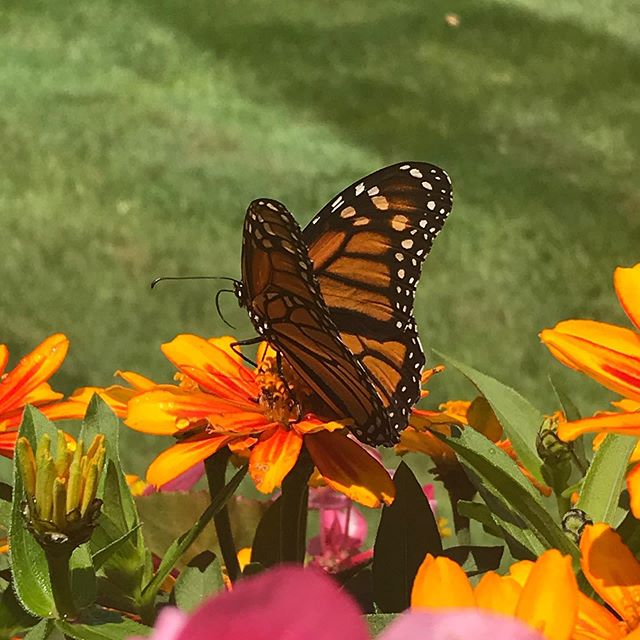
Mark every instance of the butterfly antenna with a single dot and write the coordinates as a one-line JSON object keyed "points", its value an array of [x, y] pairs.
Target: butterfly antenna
{"points": [[155, 282], [218, 306]]}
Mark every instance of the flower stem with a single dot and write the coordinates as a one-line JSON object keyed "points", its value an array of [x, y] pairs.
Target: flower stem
{"points": [[295, 506], [60, 573], [216, 467]]}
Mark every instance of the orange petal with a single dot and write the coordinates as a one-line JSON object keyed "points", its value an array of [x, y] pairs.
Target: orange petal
{"points": [[481, 417], [498, 593], [612, 570], [167, 409], [34, 369], [425, 442], [456, 409], [605, 352], [41, 394], [181, 457], [272, 458], [441, 583], [4, 545], [8, 443], [349, 469], [212, 367], [4, 357], [595, 621], [137, 381], [633, 487], [626, 424], [627, 284], [550, 582], [520, 571]]}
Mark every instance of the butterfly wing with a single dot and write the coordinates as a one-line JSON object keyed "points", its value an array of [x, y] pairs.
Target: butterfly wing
{"points": [[285, 306], [367, 247]]}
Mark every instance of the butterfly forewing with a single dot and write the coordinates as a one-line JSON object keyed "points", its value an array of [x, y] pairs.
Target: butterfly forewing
{"points": [[286, 307], [367, 246]]}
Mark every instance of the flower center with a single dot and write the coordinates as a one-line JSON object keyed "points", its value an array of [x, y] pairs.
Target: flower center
{"points": [[277, 392]]}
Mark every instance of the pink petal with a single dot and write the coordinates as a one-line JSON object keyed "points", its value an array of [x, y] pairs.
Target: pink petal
{"points": [[287, 602], [343, 528], [186, 480], [169, 624], [457, 624]]}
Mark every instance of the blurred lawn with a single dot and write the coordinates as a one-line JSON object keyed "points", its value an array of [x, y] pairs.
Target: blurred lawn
{"points": [[134, 134]]}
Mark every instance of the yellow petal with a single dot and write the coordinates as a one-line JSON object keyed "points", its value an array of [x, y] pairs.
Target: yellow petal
{"points": [[214, 368], [272, 458], [313, 426], [34, 369], [441, 583], [425, 442], [627, 284], [349, 469], [520, 571], [181, 457], [626, 424], [612, 570], [550, 582], [497, 593], [633, 487], [605, 352]]}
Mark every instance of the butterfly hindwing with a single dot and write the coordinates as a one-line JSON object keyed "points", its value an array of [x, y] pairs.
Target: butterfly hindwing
{"points": [[286, 307], [367, 246]]}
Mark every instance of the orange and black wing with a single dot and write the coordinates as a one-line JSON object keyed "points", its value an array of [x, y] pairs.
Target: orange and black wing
{"points": [[285, 306], [367, 247]]}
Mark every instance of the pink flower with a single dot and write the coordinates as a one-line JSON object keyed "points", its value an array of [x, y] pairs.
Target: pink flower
{"points": [[291, 602], [343, 531]]}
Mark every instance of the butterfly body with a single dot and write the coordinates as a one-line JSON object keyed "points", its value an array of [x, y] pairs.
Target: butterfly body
{"points": [[336, 300]]}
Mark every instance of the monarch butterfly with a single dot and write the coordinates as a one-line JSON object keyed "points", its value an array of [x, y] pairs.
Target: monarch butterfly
{"points": [[336, 300]]}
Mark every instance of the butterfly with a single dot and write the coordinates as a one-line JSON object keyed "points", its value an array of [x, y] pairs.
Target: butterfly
{"points": [[336, 299]]}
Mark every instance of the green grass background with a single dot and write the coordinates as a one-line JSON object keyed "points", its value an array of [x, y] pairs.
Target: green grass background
{"points": [[133, 134]]}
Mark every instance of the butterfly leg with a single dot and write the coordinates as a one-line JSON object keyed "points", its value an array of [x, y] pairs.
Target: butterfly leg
{"points": [[246, 343]]}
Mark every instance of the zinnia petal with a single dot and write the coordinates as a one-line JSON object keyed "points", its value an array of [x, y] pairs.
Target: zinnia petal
{"points": [[441, 583], [8, 443], [137, 381], [181, 457], [607, 353], [627, 284], [633, 487], [551, 581], [32, 370], [272, 458], [349, 469], [214, 368], [496, 593], [612, 570], [626, 424], [457, 625], [4, 357], [595, 621], [282, 603]]}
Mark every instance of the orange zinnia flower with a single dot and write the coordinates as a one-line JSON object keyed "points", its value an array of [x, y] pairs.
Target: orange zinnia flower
{"points": [[27, 384], [221, 403], [610, 355]]}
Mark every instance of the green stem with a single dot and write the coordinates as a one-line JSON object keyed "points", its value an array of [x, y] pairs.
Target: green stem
{"points": [[60, 574], [216, 467], [293, 514]]}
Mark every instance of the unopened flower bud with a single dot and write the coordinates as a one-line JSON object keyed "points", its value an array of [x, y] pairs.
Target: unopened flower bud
{"points": [[573, 523], [61, 507], [549, 446]]}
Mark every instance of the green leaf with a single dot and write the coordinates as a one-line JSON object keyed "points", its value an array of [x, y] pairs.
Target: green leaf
{"points": [[518, 417], [83, 577], [118, 540], [568, 407], [181, 544], [99, 624], [407, 532], [44, 630], [266, 543], [13, 617], [29, 565], [101, 556], [378, 621], [605, 479], [201, 578], [508, 493]]}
